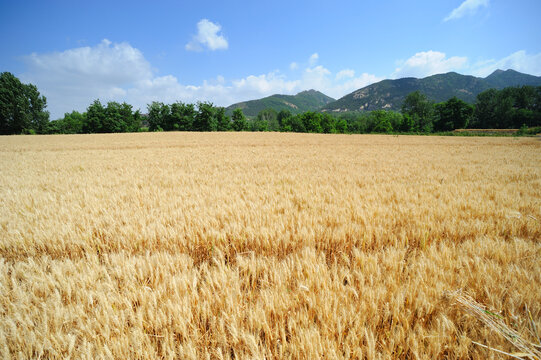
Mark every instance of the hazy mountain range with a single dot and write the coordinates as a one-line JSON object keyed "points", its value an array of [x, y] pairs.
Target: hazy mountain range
{"points": [[389, 94]]}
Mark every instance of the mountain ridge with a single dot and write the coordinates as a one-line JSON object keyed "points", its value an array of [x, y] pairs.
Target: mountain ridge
{"points": [[389, 94], [307, 100]]}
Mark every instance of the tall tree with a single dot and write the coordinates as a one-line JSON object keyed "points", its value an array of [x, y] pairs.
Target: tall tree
{"points": [[205, 119], [341, 126], [312, 121], [420, 110], [95, 118], [282, 118], [113, 120], [182, 116], [380, 121], [511, 107], [22, 108], [223, 121], [239, 122], [157, 115], [72, 123], [328, 123], [452, 114], [268, 116], [132, 120]]}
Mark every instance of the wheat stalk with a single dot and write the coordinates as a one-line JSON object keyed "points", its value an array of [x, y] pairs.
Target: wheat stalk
{"points": [[496, 323]]}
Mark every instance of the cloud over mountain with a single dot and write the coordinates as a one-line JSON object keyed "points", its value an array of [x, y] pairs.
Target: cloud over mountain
{"points": [[73, 78], [427, 63]]}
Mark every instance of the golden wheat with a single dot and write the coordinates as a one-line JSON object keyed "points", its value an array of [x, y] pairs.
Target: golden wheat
{"points": [[254, 246]]}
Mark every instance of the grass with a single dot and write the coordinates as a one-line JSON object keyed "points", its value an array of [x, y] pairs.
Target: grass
{"points": [[266, 245]]}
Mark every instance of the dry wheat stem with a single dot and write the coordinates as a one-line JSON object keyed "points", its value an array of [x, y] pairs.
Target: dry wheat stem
{"points": [[494, 322]]}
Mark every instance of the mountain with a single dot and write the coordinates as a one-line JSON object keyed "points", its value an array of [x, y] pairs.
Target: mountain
{"points": [[310, 100], [389, 94], [500, 79]]}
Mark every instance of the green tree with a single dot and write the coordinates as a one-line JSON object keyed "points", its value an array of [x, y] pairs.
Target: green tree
{"points": [[311, 121], [297, 124], [182, 116], [380, 122], [72, 123], [452, 114], [223, 121], [504, 110], [113, 120], [484, 113], [396, 119], [132, 119], [282, 118], [239, 120], [511, 107], [517, 107], [258, 124], [293, 124], [341, 126], [54, 127], [95, 117], [408, 123], [205, 119], [527, 103], [420, 110], [158, 116], [525, 116], [328, 123], [357, 122], [22, 108], [39, 117], [267, 119]]}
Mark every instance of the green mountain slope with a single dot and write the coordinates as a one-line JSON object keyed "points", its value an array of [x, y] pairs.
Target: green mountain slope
{"points": [[310, 100], [500, 79], [389, 94]]}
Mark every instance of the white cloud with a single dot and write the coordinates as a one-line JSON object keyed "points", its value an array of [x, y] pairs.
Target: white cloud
{"points": [[72, 79], [519, 61], [166, 89], [431, 62], [313, 59], [346, 73], [207, 36], [468, 7], [263, 85], [293, 66], [317, 78], [428, 63], [344, 82], [341, 89], [106, 62], [317, 72]]}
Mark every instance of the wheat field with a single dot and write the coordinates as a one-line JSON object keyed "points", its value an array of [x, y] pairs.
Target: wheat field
{"points": [[267, 245]]}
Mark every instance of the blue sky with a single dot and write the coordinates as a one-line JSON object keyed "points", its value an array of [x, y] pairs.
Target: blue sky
{"points": [[225, 52]]}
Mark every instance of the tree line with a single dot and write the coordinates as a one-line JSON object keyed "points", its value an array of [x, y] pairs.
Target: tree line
{"points": [[22, 110]]}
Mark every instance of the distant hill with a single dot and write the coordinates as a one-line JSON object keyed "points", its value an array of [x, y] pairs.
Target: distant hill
{"points": [[310, 100], [389, 94], [500, 79]]}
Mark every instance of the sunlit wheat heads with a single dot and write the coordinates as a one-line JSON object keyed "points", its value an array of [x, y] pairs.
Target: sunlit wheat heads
{"points": [[265, 245]]}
